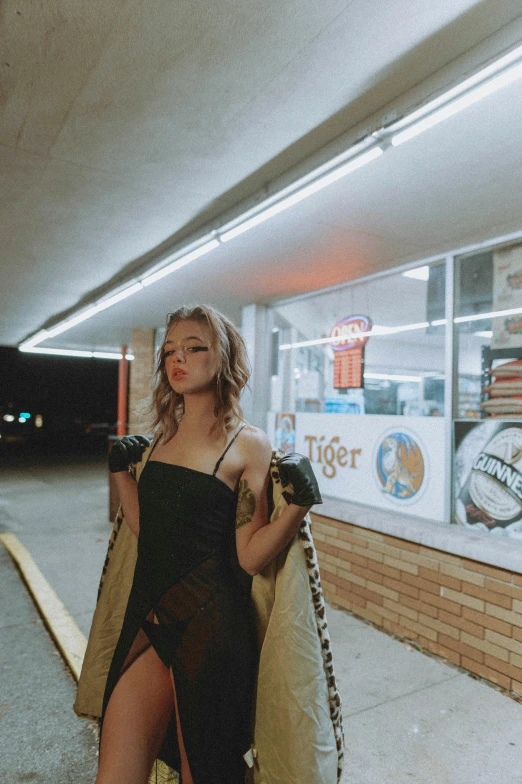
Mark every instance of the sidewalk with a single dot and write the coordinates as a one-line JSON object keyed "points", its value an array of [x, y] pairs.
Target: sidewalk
{"points": [[41, 740], [409, 719]]}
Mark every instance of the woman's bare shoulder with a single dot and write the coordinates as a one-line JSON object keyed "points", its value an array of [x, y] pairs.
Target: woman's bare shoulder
{"points": [[255, 441]]}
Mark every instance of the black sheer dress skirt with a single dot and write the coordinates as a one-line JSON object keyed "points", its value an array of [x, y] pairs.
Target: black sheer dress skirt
{"points": [[187, 573]]}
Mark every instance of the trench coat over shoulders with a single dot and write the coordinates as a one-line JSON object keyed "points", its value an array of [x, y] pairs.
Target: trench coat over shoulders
{"points": [[298, 728]]}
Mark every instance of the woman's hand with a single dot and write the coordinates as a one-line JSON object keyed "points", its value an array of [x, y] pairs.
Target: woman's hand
{"points": [[257, 541], [127, 450], [296, 469]]}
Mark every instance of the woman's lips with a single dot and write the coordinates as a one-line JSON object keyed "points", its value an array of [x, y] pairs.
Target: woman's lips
{"points": [[179, 374]]}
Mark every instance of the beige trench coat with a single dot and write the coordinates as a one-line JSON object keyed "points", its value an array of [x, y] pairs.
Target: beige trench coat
{"points": [[298, 733]]}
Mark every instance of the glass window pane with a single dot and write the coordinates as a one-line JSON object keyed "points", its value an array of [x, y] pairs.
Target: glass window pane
{"points": [[403, 356], [488, 283]]}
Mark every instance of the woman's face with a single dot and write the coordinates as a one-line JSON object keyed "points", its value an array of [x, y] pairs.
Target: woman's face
{"points": [[190, 358]]}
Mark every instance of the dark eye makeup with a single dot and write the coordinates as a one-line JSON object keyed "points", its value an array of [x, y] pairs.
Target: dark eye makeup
{"points": [[192, 349]]}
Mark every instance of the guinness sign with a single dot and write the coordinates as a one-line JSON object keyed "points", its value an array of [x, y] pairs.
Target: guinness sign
{"points": [[491, 495]]}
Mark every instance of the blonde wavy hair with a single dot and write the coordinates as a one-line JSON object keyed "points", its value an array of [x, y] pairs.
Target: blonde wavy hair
{"points": [[167, 406]]}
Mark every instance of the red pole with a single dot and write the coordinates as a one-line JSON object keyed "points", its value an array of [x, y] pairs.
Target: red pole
{"points": [[123, 388]]}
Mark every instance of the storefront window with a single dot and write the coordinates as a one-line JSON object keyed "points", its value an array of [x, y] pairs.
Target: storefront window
{"points": [[391, 358], [489, 283], [487, 470]]}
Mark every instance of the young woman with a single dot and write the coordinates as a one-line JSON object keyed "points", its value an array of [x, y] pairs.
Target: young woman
{"points": [[181, 682]]}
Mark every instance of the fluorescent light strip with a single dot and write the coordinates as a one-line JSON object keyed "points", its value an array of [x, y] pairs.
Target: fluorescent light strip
{"points": [[41, 335], [65, 352], [181, 261], [302, 193], [488, 71], [111, 355], [60, 352], [304, 343], [493, 314], [118, 297], [488, 80], [45, 334], [121, 295], [376, 330], [403, 328], [51, 333], [392, 377], [493, 77]]}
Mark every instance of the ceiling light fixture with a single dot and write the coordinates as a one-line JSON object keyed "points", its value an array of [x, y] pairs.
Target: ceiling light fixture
{"points": [[378, 330], [121, 295], [375, 330], [41, 335], [45, 334], [263, 213], [493, 314], [401, 328], [500, 73], [419, 273], [181, 261], [65, 352], [65, 325]]}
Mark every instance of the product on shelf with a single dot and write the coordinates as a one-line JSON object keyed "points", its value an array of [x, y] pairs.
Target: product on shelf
{"points": [[503, 405], [505, 391], [505, 387], [508, 369]]}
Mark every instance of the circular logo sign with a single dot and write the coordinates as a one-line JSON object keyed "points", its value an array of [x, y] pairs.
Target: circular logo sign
{"points": [[495, 485], [399, 465]]}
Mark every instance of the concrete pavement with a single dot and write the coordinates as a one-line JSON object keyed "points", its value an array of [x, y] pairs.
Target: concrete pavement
{"points": [[41, 740], [409, 718]]}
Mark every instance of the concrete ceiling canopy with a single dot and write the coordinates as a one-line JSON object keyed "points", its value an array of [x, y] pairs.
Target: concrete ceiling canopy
{"points": [[127, 129]]}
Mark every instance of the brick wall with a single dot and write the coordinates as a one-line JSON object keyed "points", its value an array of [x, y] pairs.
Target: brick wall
{"points": [[466, 611], [141, 371]]}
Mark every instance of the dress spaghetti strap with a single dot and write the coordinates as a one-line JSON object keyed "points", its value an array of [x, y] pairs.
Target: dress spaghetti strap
{"points": [[226, 450], [155, 444]]}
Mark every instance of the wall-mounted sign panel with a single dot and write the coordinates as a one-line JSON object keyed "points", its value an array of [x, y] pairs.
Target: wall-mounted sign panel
{"points": [[392, 462], [488, 476], [351, 337]]}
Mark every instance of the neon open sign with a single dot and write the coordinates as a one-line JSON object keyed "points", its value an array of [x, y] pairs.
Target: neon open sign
{"points": [[351, 331]]}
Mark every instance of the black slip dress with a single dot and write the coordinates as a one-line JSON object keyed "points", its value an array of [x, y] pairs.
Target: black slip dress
{"points": [[187, 573]]}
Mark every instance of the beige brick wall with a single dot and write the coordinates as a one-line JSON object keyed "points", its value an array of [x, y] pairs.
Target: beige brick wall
{"points": [[466, 611], [140, 375]]}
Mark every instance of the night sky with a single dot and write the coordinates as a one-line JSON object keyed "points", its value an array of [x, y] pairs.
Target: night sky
{"points": [[69, 392]]}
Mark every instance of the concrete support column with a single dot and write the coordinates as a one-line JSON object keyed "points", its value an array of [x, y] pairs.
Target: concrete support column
{"points": [[141, 371], [254, 329]]}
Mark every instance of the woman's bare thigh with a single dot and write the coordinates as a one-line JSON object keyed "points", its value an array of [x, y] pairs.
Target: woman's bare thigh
{"points": [[135, 721]]}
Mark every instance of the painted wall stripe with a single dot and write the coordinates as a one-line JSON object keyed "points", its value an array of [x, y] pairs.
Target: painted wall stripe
{"points": [[66, 634]]}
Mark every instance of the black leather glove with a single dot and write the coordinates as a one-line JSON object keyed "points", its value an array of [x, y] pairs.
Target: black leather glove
{"points": [[296, 469], [127, 450]]}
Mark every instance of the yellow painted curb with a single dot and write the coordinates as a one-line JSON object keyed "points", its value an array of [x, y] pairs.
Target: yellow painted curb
{"points": [[67, 636]]}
